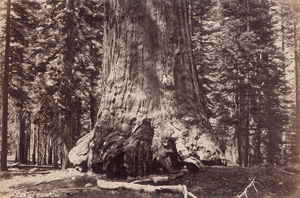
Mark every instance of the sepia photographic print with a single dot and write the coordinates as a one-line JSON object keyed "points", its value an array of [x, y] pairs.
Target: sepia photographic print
{"points": [[150, 98]]}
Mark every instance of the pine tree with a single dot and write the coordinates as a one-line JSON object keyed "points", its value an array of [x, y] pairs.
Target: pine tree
{"points": [[234, 48], [252, 80], [23, 23], [53, 53], [275, 89], [204, 26]]}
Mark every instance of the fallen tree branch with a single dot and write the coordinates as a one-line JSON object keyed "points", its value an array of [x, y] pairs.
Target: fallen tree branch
{"points": [[159, 179], [244, 193], [152, 179], [78, 188], [104, 184], [289, 173], [20, 166]]}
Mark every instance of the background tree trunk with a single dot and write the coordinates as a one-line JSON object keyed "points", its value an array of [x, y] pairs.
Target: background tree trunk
{"points": [[22, 137], [16, 156], [92, 110], [67, 86], [55, 154], [34, 146], [151, 108], [38, 161], [28, 147], [50, 149], [257, 147], [243, 133], [45, 144], [29, 138], [296, 146], [5, 91]]}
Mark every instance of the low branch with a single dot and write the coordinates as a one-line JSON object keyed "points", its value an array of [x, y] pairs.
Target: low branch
{"points": [[104, 184], [244, 193]]}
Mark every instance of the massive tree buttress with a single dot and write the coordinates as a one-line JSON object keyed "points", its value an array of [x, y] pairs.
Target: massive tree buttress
{"points": [[151, 111]]}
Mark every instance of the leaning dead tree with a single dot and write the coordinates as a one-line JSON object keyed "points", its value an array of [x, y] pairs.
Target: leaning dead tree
{"points": [[151, 113]]}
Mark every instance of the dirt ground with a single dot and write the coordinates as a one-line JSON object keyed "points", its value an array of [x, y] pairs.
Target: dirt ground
{"points": [[213, 182]]}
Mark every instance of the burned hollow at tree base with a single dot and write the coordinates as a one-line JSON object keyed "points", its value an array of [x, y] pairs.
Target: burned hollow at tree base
{"points": [[152, 113]]}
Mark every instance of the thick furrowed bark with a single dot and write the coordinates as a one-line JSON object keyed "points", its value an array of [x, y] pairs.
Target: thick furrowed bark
{"points": [[151, 106]]}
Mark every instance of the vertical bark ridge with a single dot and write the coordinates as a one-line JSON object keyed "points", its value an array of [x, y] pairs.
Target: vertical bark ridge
{"points": [[151, 94]]}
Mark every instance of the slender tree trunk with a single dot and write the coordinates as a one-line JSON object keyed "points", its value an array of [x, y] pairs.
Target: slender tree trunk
{"points": [[242, 117], [296, 146], [260, 117], [271, 147], [93, 84], [50, 151], [282, 30], [237, 113], [55, 154], [38, 144], [151, 106], [282, 161], [5, 91], [61, 156], [257, 147], [243, 133], [68, 91], [22, 137], [29, 139], [92, 111], [28, 147], [45, 143], [34, 146], [92, 104], [16, 156]]}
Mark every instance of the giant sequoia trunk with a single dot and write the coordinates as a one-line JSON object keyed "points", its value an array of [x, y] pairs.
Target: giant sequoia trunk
{"points": [[151, 111]]}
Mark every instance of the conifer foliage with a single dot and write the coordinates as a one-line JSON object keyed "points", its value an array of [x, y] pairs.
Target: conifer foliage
{"points": [[249, 88], [55, 56]]}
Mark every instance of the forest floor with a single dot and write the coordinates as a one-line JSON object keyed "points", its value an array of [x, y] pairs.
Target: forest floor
{"points": [[212, 182]]}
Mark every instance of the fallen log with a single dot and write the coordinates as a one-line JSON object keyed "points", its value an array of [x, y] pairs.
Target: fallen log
{"points": [[20, 166], [14, 165], [104, 184], [155, 179], [152, 179]]}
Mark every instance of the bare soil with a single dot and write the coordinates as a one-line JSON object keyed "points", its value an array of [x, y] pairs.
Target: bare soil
{"points": [[213, 182]]}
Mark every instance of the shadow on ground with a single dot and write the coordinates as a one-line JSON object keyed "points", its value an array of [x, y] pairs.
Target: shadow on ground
{"points": [[214, 182]]}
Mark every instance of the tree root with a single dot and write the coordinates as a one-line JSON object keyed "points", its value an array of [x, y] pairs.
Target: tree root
{"points": [[104, 184], [244, 193]]}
